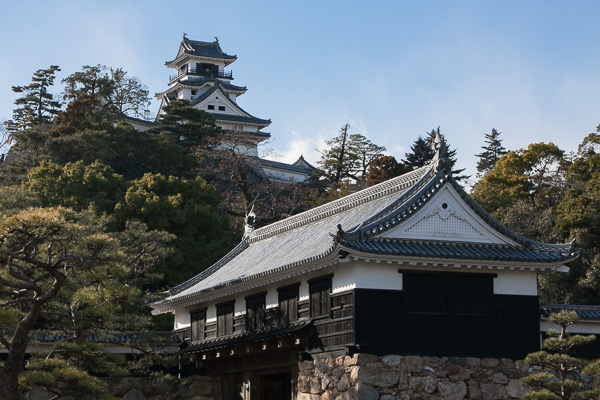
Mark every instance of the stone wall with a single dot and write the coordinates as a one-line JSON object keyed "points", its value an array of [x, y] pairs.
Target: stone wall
{"points": [[369, 377]]}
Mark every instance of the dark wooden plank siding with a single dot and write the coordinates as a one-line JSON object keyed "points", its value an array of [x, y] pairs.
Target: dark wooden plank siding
{"points": [[384, 326]]}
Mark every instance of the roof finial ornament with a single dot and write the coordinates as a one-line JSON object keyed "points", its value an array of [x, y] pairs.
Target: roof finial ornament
{"points": [[249, 219], [216, 39], [440, 147], [184, 36]]}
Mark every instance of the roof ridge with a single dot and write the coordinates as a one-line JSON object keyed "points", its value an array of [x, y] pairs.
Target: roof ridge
{"points": [[352, 200]]}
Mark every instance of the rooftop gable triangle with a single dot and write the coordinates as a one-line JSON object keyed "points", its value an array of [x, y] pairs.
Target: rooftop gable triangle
{"points": [[220, 89], [403, 210]]}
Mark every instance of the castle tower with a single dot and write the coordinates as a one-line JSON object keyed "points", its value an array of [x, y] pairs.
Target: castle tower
{"points": [[201, 77]]}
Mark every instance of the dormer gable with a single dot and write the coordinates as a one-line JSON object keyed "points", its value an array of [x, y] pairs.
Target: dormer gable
{"points": [[446, 217]]}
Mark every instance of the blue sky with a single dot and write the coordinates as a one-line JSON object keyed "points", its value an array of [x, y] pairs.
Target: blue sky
{"points": [[392, 70]]}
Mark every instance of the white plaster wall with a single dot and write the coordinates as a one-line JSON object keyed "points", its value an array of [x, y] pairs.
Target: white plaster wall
{"points": [[373, 275], [182, 318], [343, 277], [582, 327], [285, 176], [516, 282]]}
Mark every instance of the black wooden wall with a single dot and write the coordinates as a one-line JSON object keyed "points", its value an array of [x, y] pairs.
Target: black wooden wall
{"points": [[384, 326]]}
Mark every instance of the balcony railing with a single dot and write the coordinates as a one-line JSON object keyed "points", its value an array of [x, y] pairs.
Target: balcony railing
{"points": [[192, 70]]}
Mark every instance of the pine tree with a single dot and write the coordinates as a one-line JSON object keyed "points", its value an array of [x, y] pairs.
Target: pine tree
{"points": [[336, 160], [364, 152], [493, 151], [559, 378], [37, 106], [421, 153]]}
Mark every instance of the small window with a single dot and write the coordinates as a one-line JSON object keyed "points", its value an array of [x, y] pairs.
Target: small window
{"points": [[255, 312], [198, 325], [211, 107], [320, 296], [193, 92], [224, 319], [288, 303], [221, 108]]}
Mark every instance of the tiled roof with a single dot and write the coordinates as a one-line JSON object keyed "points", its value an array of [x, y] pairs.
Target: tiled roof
{"points": [[140, 121], [240, 118], [203, 49], [585, 313], [274, 332], [454, 250], [203, 81], [284, 166], [296, 240], [310, 239]]}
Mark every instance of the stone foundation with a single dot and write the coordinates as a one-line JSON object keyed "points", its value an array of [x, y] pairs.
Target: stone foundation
{"points": [[369, 377]]}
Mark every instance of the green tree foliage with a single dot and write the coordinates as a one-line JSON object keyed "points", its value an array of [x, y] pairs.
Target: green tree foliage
{"points": [[186, 208], [188, 126], [347, 157], [493, 150], [535, 175], [384, 168], [59, 269], [364, 151], [421, 154], [95, 187], [125, 95], [37, 106], [578, 217], [559, 378], [97, 98]]}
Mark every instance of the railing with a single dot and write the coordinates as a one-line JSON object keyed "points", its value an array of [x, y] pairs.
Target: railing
{"points": [[192, 70]]}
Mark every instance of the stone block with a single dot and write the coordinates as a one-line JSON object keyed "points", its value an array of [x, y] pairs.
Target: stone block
{"points": [[315, 385], [344, 383], [433, 362], [364, 392], [414, 363], [430, 384], [515, 389], [472, 362], [499, 378], [458, 361], [415, 383], [489, 362], [452, 390], [376, 376], [394, 361], [473, 391], [492, 391], [457, 373], [306, 366], [361, 359]]}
